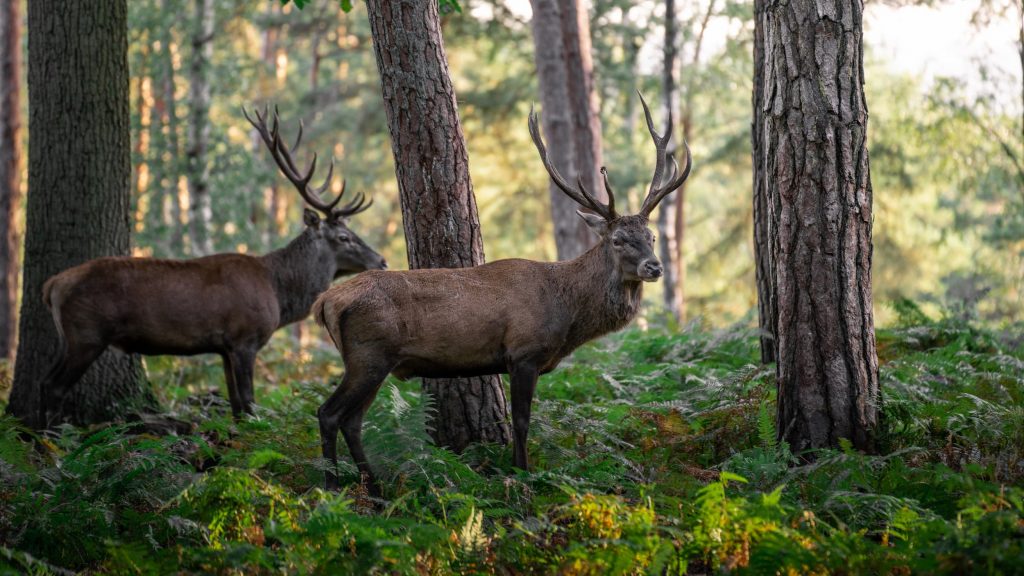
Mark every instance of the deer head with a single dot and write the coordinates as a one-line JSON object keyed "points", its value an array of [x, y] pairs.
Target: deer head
{"points": [[327, 223], [632, 243]]}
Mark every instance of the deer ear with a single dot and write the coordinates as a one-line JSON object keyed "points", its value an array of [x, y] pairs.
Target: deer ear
{"points": [[596, 223], [311, 218]]}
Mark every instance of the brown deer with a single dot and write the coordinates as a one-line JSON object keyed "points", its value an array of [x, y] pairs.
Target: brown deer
{"points": [[510, 316], [226, 304]]}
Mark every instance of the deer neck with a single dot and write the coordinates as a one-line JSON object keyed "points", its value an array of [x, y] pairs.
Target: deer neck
{"points": [[300, 272], [599, 299]]}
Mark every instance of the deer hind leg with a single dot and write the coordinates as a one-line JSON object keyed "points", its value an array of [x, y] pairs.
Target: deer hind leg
{"points": [[344, 410], [241, 367], [524, 381], [232, 386], [67, 370]]}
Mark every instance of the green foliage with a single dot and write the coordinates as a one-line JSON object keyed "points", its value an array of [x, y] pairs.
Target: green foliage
{"points": [[655, 452]]}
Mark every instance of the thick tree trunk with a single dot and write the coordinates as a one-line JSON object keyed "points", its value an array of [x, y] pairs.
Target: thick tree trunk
{"points": [[561, 39], [764, 270], [10, 165], [199, 129], [442, 229], [668, 250], [812, 160], [79, 181]]}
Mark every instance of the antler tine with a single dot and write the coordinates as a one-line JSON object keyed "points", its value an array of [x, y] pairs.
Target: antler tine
{"points": [[662, 185], [580, 193], [608, 190], [319, 191], [359, 204], [677, 181]]}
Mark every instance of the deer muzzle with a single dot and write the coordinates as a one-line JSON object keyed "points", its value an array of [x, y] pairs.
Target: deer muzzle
{"points": [[649, 270]]}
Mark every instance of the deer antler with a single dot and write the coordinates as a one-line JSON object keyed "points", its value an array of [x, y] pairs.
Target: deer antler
{"points": [[283, 157], [661, 187], [579, 193]]}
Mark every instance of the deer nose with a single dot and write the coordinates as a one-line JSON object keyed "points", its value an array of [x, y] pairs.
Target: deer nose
{"points": [[652, 269], [383, 264]]}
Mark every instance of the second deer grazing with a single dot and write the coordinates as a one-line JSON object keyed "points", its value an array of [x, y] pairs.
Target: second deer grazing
{"points": [[226, 304], [515, 317]]}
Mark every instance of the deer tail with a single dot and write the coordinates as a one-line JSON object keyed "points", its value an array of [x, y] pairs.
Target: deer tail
{"points": [[320, 315], [53, 297]]}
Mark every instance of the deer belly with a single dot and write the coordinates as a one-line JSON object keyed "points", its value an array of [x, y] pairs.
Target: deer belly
{"points": [[431, 369]]}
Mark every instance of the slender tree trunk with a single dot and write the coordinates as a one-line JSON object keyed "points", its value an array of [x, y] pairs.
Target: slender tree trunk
{"points": [[442, 229], [586, 126], [79, 181], [10, 166], [767, 307], [561, 33], [686, 120], [668, 250], [140, 140], [169, 119], [200, 216], [268, 54], [572, 237], [812, 159]]}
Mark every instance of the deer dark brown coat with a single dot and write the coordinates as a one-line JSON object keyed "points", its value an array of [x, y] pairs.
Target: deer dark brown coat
{"points": [[511, 316], [226, 304]]}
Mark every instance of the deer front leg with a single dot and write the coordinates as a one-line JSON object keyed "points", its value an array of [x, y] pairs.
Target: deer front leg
{"points": [[524, 381]]}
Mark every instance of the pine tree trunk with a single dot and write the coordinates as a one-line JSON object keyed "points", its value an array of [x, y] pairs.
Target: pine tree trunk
{"points": [[10, 165], [442, 229], [571, 234], [764, 270], [668, 250], [811, 156], [79, 181], [200, 212], [561, 39], [586, 126], [175, 241], [266, 204]]}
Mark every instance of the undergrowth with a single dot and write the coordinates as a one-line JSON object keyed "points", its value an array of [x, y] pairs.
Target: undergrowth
{"points": [[654, 452]]}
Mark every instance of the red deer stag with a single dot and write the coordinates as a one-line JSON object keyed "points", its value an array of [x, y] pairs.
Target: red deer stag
{"points": [[510, 316], [226, 304]]}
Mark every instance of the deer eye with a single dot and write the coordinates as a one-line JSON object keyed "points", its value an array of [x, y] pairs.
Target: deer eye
{"points": [[616, 241], [343, 237]]}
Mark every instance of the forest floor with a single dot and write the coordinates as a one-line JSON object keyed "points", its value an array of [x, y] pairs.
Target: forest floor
{"points": [[653, 450]]}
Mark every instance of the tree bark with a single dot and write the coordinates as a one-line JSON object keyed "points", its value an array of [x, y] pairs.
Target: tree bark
{"points": [[668, 250], [79, 177], [586, 126], [767, 307], [571, 234], [812, 161], [10, 165], [442, 229], [561, 39], [199, 130], [167, 108]]}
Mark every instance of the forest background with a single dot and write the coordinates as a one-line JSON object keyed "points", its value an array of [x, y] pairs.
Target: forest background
{"points": [[946, 144]]}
